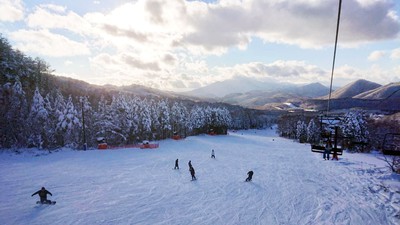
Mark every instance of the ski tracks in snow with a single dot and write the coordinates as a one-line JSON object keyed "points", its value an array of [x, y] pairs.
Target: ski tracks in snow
{"points": [[355, 189], [291, 185]]}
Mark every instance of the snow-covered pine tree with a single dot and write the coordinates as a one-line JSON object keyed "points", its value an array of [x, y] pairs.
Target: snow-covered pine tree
{"points": [[16, 116], [101, 122], [59, 106], [197, 120], [51, 124], [241, 119], [313, 132], [145, 120], [209, 117], [38, 119], [179, 116], [89, 120], [120, 111], [134, 133], [301, 131], [164, 118], [69, 124], [220, 118], [225, 117], [287, 126], [106, 124], [355, 127]]}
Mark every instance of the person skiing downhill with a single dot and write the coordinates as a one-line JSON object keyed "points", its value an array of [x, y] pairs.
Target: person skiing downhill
{"points": [[43, 195], [213, 154], [192, 172], [176, 165], [250, 176]]}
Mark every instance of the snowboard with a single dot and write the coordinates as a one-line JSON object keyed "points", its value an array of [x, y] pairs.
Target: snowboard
{"points": [[46, 203]]}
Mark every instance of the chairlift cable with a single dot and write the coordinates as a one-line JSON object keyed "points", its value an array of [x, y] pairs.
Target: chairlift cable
{"points": [[334, 55]]}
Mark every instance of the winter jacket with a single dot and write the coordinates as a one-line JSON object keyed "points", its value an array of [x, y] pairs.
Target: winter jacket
{"points": [[42, 193], [191, 169]]}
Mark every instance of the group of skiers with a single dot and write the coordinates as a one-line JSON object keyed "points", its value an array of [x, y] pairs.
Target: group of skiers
{"points": [[191, 169], [328, 149], [192, 172], [43, 192]]}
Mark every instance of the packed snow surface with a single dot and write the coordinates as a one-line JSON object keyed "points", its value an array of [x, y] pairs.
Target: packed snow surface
{"points": [[291, 185]]}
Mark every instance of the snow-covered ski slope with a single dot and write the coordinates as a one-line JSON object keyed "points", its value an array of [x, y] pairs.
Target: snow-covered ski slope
{"points": [[291, 185]]}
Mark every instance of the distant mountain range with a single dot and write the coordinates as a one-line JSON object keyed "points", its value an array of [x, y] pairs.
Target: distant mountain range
{"points": [[250, 93], [254, 94], [236, 85], [386, 97], [285, 96]]}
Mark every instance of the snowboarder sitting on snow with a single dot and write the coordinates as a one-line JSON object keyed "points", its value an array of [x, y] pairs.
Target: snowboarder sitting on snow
{"points": [[213, 154], [176, 165], [250, 176], [191, 169], [43, 195], [328, 149]]}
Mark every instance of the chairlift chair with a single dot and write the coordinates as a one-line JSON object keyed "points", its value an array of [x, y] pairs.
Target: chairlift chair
{"points": [[329, 123]]}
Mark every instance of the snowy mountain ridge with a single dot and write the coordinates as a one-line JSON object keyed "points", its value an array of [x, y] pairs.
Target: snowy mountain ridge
{"points": [[352, 89], [244, 86], [391, 90], [250, 93]]}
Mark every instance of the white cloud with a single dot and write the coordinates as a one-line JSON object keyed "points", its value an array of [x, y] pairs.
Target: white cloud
{"points": [[164, 43], [346, 74], [305, 23], [46, 43], [53, 7], [11, 10], [396, 73], [57, 17], [395, 54], [376, 55], [291, 71], [184, 72], [214, 27]]}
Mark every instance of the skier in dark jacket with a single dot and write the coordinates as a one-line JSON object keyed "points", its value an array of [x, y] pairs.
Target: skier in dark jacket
{"points": [[176, 165], [190, 163], [191, 169], [213, 154], [43, 195], [250, 176]]}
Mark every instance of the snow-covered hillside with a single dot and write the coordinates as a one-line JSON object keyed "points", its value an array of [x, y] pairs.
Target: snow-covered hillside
{"points": [[391, 90], [291, 185], [353, 89]]}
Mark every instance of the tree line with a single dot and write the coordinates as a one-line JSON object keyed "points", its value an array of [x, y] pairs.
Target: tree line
{"points": [[359, 131], [41, 110]]}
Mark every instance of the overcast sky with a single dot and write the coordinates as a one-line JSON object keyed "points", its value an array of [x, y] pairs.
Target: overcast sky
{"points": [[181, 45]]}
